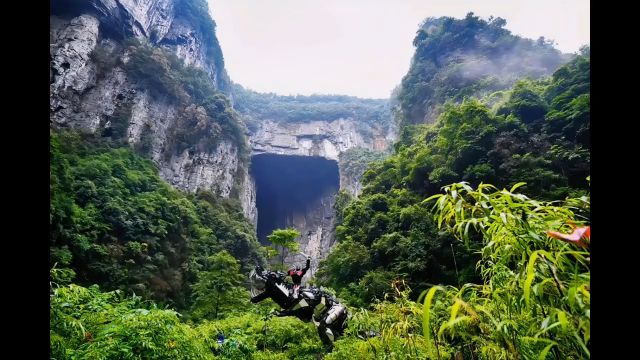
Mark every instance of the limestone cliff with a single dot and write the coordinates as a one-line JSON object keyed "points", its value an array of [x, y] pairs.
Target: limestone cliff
{"points": [[330, 140], [88, 97], [315, 138], [317, 232], [92, 88]]}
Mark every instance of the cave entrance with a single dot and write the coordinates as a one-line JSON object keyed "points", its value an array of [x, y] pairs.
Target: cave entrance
{"points": [[293, 191]]}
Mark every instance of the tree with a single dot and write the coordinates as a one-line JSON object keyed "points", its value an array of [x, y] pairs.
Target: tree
{"points": [[116, 223], [285, 238], [218, 288]]}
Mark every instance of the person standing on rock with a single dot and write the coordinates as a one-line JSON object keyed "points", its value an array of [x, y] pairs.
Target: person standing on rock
{"points": [[296, 276]]}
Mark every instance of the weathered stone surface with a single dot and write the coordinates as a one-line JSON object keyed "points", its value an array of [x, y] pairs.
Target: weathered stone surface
{"points": [[186, 43], [80, 98], [317, 233], [327, 139], [316, 138], [148, 18], [71, 71], [248, 196]]}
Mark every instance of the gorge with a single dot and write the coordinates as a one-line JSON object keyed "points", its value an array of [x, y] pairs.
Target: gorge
{"points": [[100, 85], [442, 217]]}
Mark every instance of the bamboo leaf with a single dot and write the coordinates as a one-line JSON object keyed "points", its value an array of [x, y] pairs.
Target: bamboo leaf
{"points": [[545, 351], [451, 323], [562, 319], [466, 230], [582, 345], [454, 309], [514, 187], [430, 198], [546, 328], [530, 276], [426, 329]]}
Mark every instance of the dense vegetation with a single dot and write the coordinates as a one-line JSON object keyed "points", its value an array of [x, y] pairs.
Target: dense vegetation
{"points": [[196, 14], [89, 323], [114, 222], [432, 261], [538, 133], [535, 294], [534, 301], [455, 58], [256, 107], [205, 114], [208, 115]]}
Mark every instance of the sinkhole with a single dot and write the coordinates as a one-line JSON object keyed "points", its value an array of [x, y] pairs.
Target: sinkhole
{"points": [[290, 188]]}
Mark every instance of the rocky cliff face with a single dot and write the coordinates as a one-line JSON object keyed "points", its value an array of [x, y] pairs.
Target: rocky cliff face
{"points": [[316, 138], [84, 99], [159, 21], [86, 96], [326, 139], [317, 232]]}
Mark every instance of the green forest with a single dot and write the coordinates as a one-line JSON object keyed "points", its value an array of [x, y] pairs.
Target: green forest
{"points": [[256, 107], [469, 240]]}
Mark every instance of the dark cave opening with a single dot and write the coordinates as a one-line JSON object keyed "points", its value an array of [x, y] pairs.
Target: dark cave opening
{"points": [[287, 185]]}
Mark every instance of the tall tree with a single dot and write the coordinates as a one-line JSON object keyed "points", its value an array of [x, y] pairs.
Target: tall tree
{"points": [[286, 239], [218, 288]]}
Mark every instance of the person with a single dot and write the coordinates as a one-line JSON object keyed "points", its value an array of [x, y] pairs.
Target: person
{"points": [[296, 276], [217, 349]]}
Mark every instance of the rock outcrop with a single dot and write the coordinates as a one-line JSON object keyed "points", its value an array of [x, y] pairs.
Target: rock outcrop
{"points": [[326, 139], [84, 95], [316, 138], [82, 99], [317, 232]]}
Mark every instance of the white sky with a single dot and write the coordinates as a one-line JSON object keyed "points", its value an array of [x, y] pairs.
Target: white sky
{"points": [[362, 47]]}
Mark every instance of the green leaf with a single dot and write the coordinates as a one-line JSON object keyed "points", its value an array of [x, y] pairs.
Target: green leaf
{"points": [[530, 277], [514, 187], [427, 313], [582, 345], [562, 319], [545, 351]]}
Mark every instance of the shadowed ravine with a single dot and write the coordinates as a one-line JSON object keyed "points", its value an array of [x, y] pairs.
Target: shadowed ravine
{"points": [[296, 191]]}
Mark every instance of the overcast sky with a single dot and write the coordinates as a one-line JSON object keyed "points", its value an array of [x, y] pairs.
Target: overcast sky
{"points": [[362, 47]]}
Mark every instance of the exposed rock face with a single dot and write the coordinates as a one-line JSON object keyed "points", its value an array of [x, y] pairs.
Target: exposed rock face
{"points": [[187, 45], [317, 232], [81, 100], [148, 18], [191, 171], [71, 44], [248, 196], [350, 184], [71, 71], [316, 138], [139, 18], [326, 139], [158, 22], [84, 98]]}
